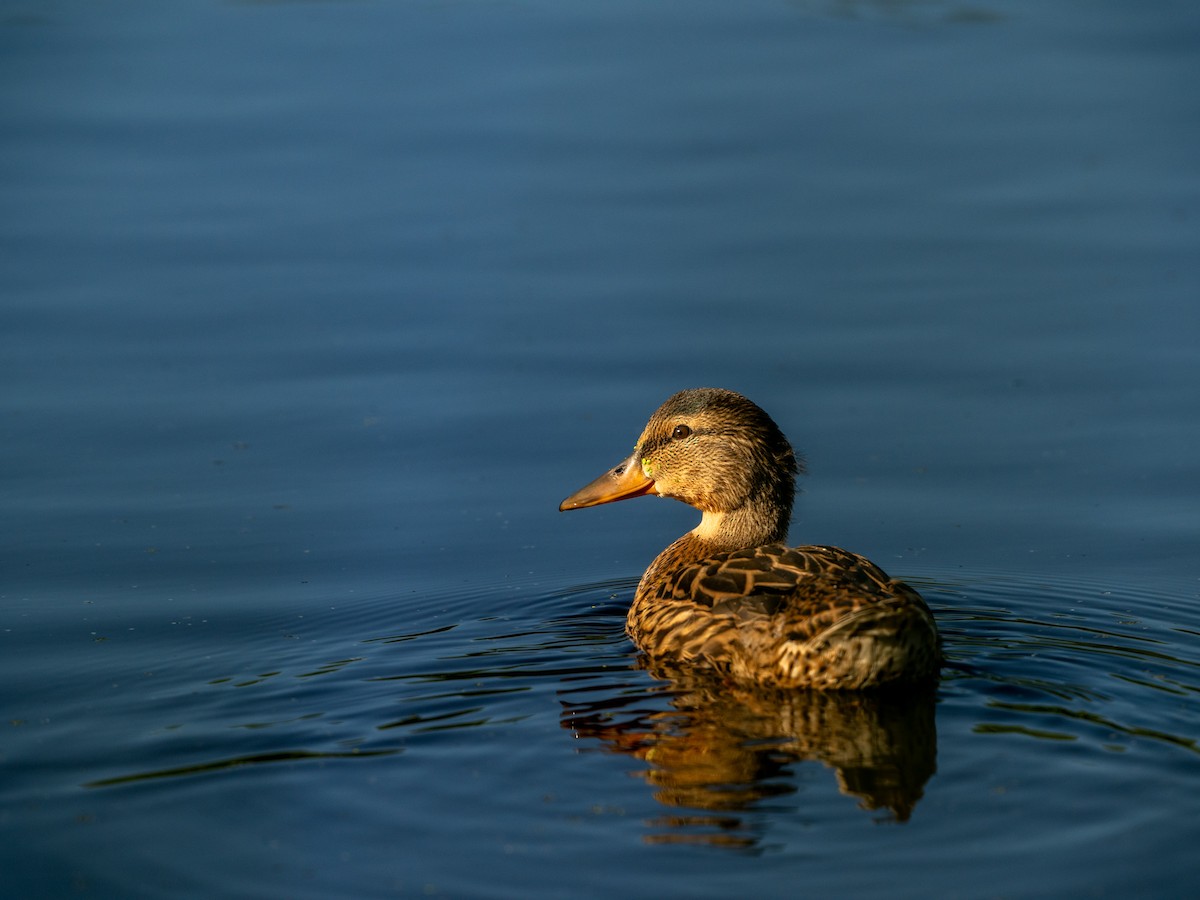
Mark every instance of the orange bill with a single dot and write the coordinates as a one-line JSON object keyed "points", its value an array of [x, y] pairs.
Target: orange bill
{"points": [[625, 481]]}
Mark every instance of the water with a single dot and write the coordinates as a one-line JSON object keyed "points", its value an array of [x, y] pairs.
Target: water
{"points": [[312, 313]]}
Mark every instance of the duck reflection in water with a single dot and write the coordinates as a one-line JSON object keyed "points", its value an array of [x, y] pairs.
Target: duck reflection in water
{"points": [[722, 748]]}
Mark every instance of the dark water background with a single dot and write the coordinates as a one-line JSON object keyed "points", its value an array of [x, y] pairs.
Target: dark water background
{"points": [[312, 312]]}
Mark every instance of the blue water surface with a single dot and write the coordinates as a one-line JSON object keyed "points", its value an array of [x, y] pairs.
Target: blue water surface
{"points": [[311, 313]]}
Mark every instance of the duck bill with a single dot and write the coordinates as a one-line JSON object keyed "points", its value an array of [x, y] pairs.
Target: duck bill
{"points": [[625, 481]]}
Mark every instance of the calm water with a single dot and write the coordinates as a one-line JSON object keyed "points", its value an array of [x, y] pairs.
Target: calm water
{"points": [[311, 313]]}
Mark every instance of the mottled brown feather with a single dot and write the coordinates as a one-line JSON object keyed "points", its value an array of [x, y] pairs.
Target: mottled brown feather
{"points": [[788, 617]]}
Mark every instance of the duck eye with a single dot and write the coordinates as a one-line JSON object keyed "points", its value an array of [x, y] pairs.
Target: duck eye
{"points": [[681, 432]]}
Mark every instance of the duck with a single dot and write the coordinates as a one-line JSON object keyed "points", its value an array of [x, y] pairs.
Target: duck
{"points": [[730, 596]]}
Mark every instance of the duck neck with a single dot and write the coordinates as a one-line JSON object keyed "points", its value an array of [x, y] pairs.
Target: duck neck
{"points": [[752, 525], [721, 532]]}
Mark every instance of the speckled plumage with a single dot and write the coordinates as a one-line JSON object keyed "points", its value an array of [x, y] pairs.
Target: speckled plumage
{"points": [[730, 595]]}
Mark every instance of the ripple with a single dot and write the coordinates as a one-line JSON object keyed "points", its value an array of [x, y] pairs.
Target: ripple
{"points": [[1093, 667], [1071, 660], [237, 762]]}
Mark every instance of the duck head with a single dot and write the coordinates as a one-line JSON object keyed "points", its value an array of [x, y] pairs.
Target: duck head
{"points": [[712, 449]]}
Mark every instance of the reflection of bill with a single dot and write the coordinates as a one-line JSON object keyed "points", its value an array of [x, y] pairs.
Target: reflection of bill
{"points": [[722, 748]]}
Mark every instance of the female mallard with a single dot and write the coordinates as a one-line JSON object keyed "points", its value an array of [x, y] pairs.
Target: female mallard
{"points": [[730, 594]]}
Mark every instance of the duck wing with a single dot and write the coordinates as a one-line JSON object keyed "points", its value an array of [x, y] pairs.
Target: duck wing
{"points": [[774, 577]]}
